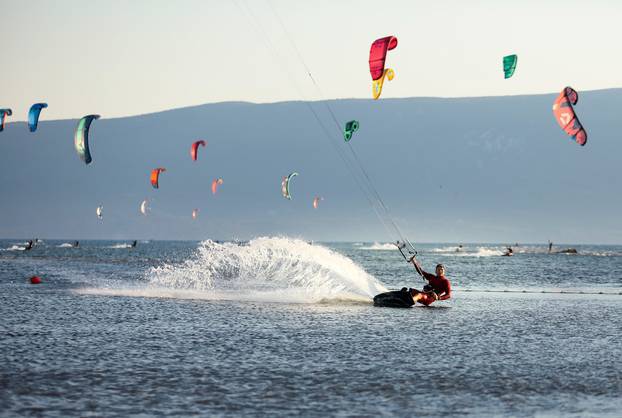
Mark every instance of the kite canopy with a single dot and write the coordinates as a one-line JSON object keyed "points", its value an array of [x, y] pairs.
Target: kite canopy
{"points": [[377, 58], [509, 65], [349, 129], [3, 114], [566, 117], [217, 182], [143, 207], [155, 176], [316, 201], [195, 148], [81, 138], [285, 185], [378, 55], [33, 115], [99, 212], [195, 213]]}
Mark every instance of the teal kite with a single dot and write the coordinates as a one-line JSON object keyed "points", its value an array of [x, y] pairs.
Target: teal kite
{"points": [[349, 130], [285, 185], [81, 138], [509, 65], [33, 115]]}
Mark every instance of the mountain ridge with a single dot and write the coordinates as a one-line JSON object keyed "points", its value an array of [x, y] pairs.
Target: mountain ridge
{"points": [[490, 169]]}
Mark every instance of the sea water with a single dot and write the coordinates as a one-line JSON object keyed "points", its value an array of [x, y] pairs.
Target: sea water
{"points": [[283, 327]]}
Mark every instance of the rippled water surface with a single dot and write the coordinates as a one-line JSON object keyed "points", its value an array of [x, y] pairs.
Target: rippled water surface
{"points": [[280, 327]]}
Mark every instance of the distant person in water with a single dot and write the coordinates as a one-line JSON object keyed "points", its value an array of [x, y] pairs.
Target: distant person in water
{"points": [[76, 244], [134, 244], [29, 245], [509, 252], [550, 246], [438, 288], [459, 249]]}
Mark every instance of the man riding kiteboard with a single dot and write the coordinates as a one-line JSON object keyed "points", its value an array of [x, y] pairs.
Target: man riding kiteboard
{"points": [[438, 288]]}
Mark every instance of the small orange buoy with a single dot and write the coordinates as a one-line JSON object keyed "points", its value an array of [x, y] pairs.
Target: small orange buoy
{"points": [[35, 280]]}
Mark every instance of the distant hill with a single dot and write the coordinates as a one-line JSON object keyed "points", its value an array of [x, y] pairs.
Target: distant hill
{"points": [[468, 169]]}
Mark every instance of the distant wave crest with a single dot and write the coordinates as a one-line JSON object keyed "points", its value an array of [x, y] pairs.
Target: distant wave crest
{"points": [[377, 246], [466, 251], [117, 246]]}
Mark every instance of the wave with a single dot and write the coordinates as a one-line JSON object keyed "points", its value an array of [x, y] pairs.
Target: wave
{"points": [[492, 251], [14, 248], [469, 251], [380, 247], [451, 249], [563, 251], [65, 245], [601, 253], [116, 246], [485, 252], [268, 270]]}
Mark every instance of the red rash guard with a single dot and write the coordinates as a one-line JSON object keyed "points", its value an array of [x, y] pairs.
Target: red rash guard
{"points": [[441, 286]]}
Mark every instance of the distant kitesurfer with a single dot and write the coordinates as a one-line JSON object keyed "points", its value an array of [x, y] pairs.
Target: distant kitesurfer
{"points": [[459, 249], [438, 288], [76, 244], [29, 245], [550, 246], [134, 244], [509, 252]]}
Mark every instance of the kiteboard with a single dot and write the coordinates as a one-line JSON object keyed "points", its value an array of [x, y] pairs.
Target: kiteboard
{"points": [[394, 299]]}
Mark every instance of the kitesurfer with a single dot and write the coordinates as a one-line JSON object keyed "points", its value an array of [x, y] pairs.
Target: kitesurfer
{"points": [[76, 244], [550, 246], [134, 243], [439, 288], [459, 249], [29, 245], [509, 252]]}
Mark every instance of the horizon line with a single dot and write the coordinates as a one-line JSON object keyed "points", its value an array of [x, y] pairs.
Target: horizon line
{"points": [[318, 241], [251, 103]]}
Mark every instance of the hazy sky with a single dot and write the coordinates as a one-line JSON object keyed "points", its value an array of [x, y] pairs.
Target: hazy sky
{"points": [[122, 58]]}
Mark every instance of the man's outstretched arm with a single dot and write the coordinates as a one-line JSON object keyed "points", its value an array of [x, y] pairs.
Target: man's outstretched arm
{"points": [[425, 274]]}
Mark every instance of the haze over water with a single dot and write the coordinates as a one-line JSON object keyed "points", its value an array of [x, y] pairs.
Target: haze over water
{"points": [[280, 327]]}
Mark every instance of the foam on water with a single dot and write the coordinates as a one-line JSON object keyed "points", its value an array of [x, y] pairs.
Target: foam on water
{"points": [[14, 248], [469, 251], [380, 247], [65, 245], [123, 245], [601, 253], [451, 249], [559, 251], [484, 252], [267, 269]]}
